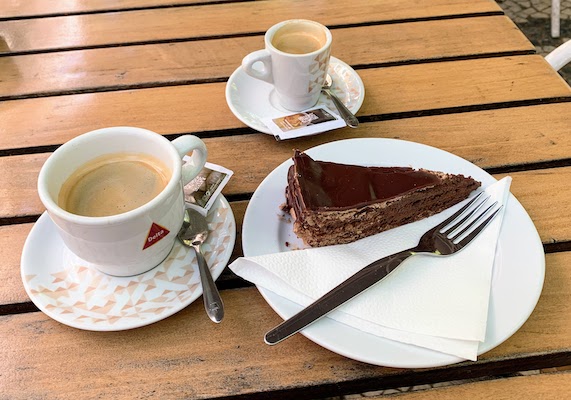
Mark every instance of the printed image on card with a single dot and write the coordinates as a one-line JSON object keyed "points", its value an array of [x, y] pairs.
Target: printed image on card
{"points": [[302, 119], [304, 123], [201, 192]]}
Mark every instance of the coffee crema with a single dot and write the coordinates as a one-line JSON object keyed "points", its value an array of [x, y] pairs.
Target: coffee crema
{"points": [[113, 184], [299, 38]]}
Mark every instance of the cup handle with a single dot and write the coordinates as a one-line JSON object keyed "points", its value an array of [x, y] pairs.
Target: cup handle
{"points": [[262, 56], [185, 144]]}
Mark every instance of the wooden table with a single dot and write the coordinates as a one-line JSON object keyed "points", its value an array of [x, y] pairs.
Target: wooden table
{"points": [[457, 75]]}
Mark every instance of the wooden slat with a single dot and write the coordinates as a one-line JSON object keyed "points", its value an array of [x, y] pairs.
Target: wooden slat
{"points": [[191, 108], [549, 324], [239, 209], [554, 386], [228, 359], [521, 133], [205, 60], [13, 238], [212, 20], [549, 214], [476, 137], [38, 8], [27, 169]]}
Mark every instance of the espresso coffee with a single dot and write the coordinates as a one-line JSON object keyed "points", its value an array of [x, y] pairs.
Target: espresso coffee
{"points": [[299, 38], [113, 184]]}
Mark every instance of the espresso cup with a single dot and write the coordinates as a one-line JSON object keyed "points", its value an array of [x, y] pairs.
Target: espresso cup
{"points": [[294, 61], [116, 195]]}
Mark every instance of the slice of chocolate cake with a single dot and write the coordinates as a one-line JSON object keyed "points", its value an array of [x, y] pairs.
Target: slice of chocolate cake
{"points": [[334, 203]]}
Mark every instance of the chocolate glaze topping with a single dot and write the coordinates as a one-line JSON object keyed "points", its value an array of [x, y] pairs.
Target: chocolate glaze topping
{"points": [[326, 185]]}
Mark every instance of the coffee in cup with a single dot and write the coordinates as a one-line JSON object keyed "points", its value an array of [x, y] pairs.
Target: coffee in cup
{"points": [[299, 38], [113, 184], [116, 195], [295, 61]]}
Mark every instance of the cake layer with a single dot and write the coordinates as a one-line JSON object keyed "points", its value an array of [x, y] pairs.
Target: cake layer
{"points": [[327, 185], [334, 203]]}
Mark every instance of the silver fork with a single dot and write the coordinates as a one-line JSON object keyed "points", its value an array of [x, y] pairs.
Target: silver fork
{"points": [[446, 238]]}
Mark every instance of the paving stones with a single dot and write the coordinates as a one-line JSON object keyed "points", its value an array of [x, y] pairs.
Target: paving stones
{"points": [[533, 17]]}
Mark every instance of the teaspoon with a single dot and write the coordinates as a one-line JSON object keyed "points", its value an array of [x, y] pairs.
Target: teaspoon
{"points": [[193, 233], [347, 115]]}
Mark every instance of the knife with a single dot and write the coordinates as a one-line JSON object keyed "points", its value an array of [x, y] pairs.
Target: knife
{"points": [[358, 283]]}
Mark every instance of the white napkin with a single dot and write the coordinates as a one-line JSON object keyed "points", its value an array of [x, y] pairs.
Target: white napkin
{"points": [[440, 303]]}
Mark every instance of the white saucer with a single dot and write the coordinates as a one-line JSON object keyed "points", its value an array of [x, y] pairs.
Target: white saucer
{"points": [[251, 99], [65, 288]]}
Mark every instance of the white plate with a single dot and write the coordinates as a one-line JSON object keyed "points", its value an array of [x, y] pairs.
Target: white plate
{"points": [[518, 273], [62, 286], [251, 99]]}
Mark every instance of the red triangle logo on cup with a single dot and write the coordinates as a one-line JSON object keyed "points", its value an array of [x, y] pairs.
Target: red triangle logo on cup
{"points": [[156, 233]]}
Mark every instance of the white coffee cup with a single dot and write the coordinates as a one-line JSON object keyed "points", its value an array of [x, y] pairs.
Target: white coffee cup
{"points": [[135, 241], [295, 60]]}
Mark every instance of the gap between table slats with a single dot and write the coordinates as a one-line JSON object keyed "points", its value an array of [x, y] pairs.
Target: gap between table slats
{"points": [[541, 386]]}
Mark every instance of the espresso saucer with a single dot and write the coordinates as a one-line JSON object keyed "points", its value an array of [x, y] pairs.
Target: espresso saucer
{"points": [[252, 100], [73, 292]]}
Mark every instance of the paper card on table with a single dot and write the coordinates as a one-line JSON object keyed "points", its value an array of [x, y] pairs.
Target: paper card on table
{"points": [[201, 192], [304, 123]]}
